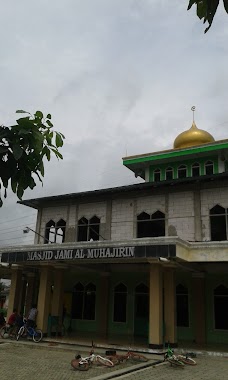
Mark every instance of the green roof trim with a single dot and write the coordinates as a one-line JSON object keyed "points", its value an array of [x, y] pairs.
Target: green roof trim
{"points": [[175, 153]]}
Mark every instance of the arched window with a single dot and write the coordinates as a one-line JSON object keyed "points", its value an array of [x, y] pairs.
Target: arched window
{"points": [[55, 232], [89, 229], [196, 169], [142, 301], [60, 231], [209, 168], [218, 221], [89, 302], [182, 307], [182, 171], [221, 307], [151, 226], [169, 173], [120, 303], [157, 175], [94, 228], [84, 301]]}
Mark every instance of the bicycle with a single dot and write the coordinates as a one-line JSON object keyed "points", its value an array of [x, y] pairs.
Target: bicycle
{"points": [[130, 355], [32, 332], [83, 364], [8, 331], [186, 359], [173, 359]]}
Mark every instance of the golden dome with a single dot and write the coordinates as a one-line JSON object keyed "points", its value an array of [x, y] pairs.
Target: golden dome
{"points": [[192, 137]]}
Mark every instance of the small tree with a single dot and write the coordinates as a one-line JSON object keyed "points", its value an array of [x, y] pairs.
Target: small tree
{"points": [[22, 150], [206, 9]]}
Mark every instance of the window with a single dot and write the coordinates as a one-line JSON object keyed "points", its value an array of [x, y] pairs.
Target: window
{"points": [[169, 173], [142, 301], [157, 175], [120, 303], [84, 301], [221, 307], [218, 219], [182, 308], [151, 226], [89, 229], [209, 168], [196, 169], [182, 171], [55, 232]]}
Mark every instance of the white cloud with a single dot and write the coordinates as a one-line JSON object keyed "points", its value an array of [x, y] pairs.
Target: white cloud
{"points": [[117, 75]]}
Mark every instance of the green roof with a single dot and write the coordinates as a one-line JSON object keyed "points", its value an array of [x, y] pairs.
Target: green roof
{"points": [[167, 154]]}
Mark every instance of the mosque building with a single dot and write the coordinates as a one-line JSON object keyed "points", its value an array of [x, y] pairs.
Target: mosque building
{"points": [[146, 262]]}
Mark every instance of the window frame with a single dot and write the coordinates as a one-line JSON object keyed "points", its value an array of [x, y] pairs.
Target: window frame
{"points": [[214, 319], [90, 228], [153, 222], [188, 304], [51, 224], [182, 168], [157, 172], [84, 294], [214, 215], [126, 303], [209, 164]]}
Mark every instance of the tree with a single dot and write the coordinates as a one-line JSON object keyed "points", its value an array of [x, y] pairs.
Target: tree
{"points": [[23, 148], [206, 9]]}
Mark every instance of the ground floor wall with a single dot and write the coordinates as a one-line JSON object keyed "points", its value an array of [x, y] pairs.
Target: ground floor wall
{"points": [[157, 305]]}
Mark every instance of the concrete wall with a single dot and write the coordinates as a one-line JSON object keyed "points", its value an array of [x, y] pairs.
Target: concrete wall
{"points": [[187, 214], [209, 198]]}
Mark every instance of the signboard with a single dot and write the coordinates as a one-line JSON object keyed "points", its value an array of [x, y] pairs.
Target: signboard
{"points": [[124, 252]]}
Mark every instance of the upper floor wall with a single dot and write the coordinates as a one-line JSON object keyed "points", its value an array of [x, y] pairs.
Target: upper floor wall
{"points": [[192, 215]]}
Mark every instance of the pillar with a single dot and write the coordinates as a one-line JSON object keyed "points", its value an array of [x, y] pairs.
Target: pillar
{"points": [[103, 305], [155, 307], [29, 292], [170, 308], [197, 216], [22, 295], [44, 298], [57, 296], [15, 290], [199, 307]]}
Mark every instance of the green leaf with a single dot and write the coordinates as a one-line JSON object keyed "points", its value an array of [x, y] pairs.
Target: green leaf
{"points": [[17, 152], [49, 123], [14, 184], [22, 111], [201, 10], [41, 168], [32, 183], [47, 153], [56, 152], [20, 192], [191, 2], [24, 122], [49, 116], [23, 131], [39, 115], [58, 140]]}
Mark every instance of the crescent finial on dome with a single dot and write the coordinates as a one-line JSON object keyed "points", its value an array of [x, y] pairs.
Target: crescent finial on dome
{"points": [[193, 136]]}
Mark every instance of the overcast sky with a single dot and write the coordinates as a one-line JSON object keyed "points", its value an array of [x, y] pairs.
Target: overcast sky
{"points": [[119, 78]]}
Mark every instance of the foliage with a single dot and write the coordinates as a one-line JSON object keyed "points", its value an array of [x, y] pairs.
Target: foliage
{"points": [[23, 148], [206, 9], [2, 287]]}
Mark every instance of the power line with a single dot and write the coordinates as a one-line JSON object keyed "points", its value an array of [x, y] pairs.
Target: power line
{"points": [[13, 229], [22, 217]]}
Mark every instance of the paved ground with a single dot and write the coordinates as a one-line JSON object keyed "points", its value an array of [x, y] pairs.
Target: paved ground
{"points": [[25, 360]]}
